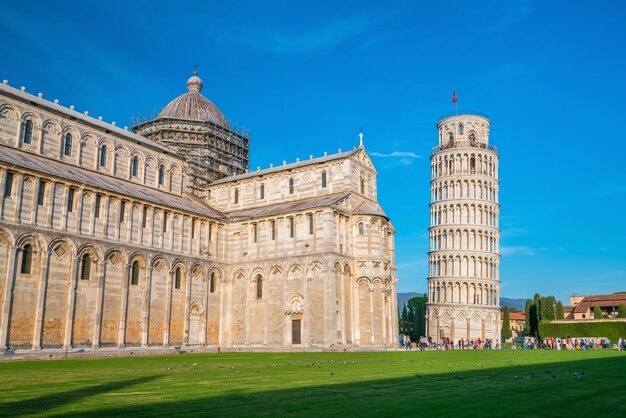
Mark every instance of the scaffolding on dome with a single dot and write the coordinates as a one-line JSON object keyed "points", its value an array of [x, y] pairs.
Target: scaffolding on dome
{"points": [[212, 152]]}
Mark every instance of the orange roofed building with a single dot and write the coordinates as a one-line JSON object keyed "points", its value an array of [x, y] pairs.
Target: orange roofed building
{"points": [[581, 307]]}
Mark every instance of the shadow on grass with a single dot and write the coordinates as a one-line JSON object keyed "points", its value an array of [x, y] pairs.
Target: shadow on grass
{"points": [[542, 389], [43, 404]]}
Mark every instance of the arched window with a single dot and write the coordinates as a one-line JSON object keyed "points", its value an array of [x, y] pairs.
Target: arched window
{"points": [[27, 256], [290, 185], [259, 286], [472, 138], [212, 283], [324, 179], [461, 128], [134, 166], [362, 185], [27, 135], [472, 165], [360, 228], [103, 156], [161, 175], [177, 278], [236, 196], [67, 147], [262, 192], [85, 268], [134, 276]]}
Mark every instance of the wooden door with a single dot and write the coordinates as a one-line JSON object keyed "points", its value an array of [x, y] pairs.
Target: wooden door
{"points": [[296, 331]]}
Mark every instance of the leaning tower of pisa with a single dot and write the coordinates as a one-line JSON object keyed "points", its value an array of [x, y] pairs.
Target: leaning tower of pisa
{"points": [[464, 253]]}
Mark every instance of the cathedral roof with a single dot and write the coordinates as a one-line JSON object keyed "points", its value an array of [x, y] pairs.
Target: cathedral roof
{"points": [[280, 208], [59, 169], [370, 208], [194, 106], [284, 167]]}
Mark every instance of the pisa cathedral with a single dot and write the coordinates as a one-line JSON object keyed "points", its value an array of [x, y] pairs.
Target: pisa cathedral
{"points": [[463, 278], [160, 237]]}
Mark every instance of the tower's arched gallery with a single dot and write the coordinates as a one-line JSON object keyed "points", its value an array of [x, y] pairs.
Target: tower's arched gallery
{"points": [[160, 236], [464, 257]]}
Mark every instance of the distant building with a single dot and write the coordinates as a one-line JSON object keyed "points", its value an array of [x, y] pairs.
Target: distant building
{"points": [[581, 307], [517, 322]]}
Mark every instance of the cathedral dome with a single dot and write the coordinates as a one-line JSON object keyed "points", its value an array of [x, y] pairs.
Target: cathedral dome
{"points": [[194, 106]]}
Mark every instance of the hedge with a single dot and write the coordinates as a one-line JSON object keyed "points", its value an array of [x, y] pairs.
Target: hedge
{"points": [[611, 330]]}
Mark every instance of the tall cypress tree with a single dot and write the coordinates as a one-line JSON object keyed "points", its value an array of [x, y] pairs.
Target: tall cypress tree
{"points": [[560, 313], [529, 303], [506, 323], [404, 321]]}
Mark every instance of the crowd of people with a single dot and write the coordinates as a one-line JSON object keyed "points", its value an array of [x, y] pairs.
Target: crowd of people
{"points": [[428, 343], [529, 343], [569, 343]]}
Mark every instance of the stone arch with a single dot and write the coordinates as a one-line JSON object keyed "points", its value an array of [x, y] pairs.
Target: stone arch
{"points": [[25, 290], [276, 272], [295, 272], [315, 269]]}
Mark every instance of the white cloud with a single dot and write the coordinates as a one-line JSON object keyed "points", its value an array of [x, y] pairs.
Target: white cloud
{"points": [[520, 249], [398, 154]]}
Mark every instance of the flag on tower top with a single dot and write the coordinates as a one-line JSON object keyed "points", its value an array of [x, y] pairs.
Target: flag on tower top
{"points": [[454, 99]]}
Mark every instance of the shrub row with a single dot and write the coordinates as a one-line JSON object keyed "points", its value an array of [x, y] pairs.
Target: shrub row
{"points": [[611, 330]]}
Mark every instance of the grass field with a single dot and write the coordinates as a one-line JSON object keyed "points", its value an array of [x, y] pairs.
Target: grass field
{"points": [[453, 383]]}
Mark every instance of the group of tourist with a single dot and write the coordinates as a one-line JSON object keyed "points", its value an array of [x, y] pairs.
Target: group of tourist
{"points": [[569, 343], [427, 343]]}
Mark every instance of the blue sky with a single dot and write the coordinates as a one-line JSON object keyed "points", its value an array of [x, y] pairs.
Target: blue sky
{"points": [[304, 77]]}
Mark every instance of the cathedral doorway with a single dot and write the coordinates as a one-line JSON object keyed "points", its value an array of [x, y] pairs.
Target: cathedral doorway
{"points": [[195, 322], [296, 331]]}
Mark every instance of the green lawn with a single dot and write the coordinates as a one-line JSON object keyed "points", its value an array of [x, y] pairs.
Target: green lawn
{"points": [[322, 384]]}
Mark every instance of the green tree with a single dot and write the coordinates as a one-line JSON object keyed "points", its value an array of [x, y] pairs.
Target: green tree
{"points": [[404, 318], [534, 320], [529, 303], [560, 313], [549, 308], [597, 312], [621, 311], [418, 305], [506, 323]]}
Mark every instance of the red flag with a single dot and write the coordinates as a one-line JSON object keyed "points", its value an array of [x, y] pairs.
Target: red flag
{"points": [[454, 97]]}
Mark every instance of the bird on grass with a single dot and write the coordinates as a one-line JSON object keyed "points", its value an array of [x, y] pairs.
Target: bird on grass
{"points": [[332, 374], [492, 375], [418, 376]]}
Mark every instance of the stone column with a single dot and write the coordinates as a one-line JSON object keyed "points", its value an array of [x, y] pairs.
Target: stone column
{"points": [[41, 296], [168, 310], [3, 176], [205, 297], [145, 314], [8, 296], [124, 307], [372, 327], [35, 203], [51, 200], [79, 210], [107, 203], [71, 300], [187, 303], [99, 302], [20, 196], [383, 313], [356, 331]]}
